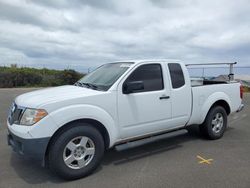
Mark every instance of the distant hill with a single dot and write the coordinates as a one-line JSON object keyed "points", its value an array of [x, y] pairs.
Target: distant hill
{"points": [[245, 83], [243, 79]]}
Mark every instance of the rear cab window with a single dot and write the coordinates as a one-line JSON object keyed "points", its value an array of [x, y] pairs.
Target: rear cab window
{"points": [[176, 75]]}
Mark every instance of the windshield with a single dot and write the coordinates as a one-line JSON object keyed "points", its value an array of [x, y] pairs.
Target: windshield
{"points": [[103, 77]]}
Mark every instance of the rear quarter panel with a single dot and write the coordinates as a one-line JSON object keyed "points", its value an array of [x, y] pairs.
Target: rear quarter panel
{"points": [[205, 96]]}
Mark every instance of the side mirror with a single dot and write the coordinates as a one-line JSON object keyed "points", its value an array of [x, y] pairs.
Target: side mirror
{"points": [[130, 87]]}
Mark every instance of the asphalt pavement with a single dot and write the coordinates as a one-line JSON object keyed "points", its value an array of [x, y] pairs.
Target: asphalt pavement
{"points": [[177, 160]]}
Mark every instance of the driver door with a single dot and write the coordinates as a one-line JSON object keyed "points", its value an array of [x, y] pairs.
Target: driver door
{"points": [[147, 110]]}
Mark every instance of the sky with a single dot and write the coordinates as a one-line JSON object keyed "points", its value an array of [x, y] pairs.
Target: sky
{"points": [[83, 34]]}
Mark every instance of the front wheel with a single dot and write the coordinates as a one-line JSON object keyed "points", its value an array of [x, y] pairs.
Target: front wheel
{"points": [[215, 123], [77, 152]]}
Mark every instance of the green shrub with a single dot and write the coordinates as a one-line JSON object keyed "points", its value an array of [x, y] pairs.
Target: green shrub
{"points": [[31, 77], [246, 89]]}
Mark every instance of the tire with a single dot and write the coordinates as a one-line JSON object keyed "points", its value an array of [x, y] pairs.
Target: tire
{"points": [[77, 152], [215, 123]]}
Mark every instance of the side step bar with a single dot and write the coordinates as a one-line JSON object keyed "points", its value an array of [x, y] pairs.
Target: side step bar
{"points": [[137, 143]]}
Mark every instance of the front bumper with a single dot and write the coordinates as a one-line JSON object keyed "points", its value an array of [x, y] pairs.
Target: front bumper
{"points": [[31, 148]]}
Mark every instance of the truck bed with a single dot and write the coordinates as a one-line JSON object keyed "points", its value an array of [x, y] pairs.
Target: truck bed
{"points": [[201, 81]]}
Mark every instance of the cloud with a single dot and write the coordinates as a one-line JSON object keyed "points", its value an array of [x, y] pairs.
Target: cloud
{"points": [[87, 33]]}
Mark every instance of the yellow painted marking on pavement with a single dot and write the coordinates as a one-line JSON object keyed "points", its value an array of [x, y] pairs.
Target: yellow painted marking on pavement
{"points": [[202, 160]]}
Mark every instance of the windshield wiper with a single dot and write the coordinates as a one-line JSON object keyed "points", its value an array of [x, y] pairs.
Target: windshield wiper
{"points": [[78, 84], [92, 86], [89, 85]]}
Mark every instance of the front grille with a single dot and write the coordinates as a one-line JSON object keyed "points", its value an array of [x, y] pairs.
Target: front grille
{"points": [[15, 114]]}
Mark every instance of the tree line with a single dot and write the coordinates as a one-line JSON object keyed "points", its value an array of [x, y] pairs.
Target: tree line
{"points": [[31, 77]]}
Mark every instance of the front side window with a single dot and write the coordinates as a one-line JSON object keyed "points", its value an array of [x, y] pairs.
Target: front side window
{"points": [[105, 76], [150, 75], [176, 74]]}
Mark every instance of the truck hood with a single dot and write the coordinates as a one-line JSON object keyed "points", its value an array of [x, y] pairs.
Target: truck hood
{"points": [[35, 99]]}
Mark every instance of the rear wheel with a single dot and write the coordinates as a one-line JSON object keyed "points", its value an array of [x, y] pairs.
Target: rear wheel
{"points": [[215, 123], [77, 152]]}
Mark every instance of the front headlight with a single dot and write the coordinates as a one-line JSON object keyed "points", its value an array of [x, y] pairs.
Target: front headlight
{"points": [[32, 116]]}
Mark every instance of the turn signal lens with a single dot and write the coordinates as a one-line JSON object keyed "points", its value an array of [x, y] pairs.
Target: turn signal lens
{"points": [[40, 114]]}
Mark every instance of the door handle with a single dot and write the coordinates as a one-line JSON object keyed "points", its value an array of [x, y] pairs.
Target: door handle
{"points": [[164, 97]]}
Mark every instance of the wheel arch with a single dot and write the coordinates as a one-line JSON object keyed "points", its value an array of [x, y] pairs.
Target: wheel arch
{"points": [[223, 103], [216, 99], [92, 122]]}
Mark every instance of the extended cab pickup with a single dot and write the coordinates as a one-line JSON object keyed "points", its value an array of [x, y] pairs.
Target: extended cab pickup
{"points": [[70, 127]]}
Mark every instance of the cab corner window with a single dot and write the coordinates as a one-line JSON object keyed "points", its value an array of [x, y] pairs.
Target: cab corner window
{"points": [[176, 74], [149, 75]]}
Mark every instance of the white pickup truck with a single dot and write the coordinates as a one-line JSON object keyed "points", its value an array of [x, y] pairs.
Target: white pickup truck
{"points": [[70, 127]]}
